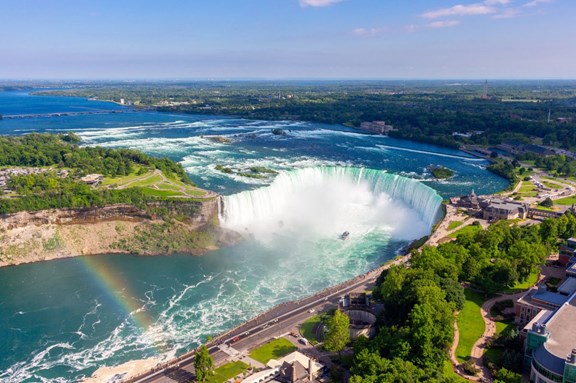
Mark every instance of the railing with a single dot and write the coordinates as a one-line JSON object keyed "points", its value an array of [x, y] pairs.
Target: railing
{"points": [[250, 325]]}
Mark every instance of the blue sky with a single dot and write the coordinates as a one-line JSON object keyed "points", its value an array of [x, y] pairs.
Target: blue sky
{"points": [[285, 39]]}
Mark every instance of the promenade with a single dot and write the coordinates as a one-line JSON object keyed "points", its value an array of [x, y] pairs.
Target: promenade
{"points": [[275, 322]]}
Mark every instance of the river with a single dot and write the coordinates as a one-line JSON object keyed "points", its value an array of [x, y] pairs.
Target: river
{"points": [[63, 319]]}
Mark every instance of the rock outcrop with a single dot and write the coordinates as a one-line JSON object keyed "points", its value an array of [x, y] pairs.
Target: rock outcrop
{"points": [[50, 234]]}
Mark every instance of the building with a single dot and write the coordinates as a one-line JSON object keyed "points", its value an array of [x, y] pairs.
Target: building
{"points": [[568, 252], [550, 333], [379, 127], [362, 314], [503, 209], [92, 179], [529, 306], [550, 346], [293, 368]]}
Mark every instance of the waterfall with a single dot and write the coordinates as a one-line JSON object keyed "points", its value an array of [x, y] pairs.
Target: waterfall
{"points": [[328, 200]]}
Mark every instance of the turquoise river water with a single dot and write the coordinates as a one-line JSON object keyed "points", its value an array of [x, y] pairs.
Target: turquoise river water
{"points": [[61, 320]]}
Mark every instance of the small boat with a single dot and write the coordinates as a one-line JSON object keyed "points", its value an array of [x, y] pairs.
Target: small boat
{"points": [[344, 235]]}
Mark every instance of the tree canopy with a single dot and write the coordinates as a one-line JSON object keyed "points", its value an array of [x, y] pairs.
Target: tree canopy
{"points": [[203, 364]]}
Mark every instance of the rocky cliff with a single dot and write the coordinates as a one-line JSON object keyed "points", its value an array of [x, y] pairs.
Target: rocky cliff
{"points": [[160, 228]]}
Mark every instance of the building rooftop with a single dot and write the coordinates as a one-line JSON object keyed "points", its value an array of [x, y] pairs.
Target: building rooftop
{"points": [[568, 287], [550, 297], [562, 331], [542, 316], [503, 204]]}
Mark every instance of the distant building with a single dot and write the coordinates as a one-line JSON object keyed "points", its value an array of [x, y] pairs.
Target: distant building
{"points": [[92, 179], [378, 127]]}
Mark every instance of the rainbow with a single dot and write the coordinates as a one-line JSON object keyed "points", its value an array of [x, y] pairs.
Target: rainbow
{"points": [[118, 291]]}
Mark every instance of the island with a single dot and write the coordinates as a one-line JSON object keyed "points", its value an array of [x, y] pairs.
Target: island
{"points": [[58, 199], [440, 172]]}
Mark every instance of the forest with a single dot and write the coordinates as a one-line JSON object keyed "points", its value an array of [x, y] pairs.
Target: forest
{"points": [[47, 189], [430, 111], [420, 301]]}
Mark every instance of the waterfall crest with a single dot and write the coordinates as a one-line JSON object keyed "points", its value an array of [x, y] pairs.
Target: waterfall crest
{"points": [[328, 200]]}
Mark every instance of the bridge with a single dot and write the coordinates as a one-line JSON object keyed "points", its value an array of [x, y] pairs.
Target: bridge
{"points": [[61, 114]]}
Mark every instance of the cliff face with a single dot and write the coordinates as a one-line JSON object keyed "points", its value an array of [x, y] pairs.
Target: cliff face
{"points": [[162, 228]]}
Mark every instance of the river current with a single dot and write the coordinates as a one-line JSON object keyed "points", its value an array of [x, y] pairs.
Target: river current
{"points": [[61, 320]]}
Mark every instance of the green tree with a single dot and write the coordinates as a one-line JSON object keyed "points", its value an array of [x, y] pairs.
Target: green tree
{"points": [[505, 376], [204, 364], [547, 202], [337, 336]]}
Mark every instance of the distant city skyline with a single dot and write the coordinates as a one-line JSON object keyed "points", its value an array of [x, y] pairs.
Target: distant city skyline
{"points": [[288, 39]]}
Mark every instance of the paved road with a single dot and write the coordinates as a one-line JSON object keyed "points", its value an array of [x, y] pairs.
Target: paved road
{"points": [[276, 322]]}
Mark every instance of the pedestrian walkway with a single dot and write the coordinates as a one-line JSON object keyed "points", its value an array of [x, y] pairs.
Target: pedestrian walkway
{"points": [[480, 346], [229, 350]]}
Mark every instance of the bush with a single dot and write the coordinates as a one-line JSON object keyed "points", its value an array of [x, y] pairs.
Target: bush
{"points": [[470, 367]]}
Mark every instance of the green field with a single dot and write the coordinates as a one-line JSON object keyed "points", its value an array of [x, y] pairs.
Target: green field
{"points": [[155, 184], [528, 189], [466, 229], [568, 201], [494, 354], [520, 286], [307, 329], [454, 224], [470, 324], [272, 350], [228, 371], [449, 373], [552, 185]]}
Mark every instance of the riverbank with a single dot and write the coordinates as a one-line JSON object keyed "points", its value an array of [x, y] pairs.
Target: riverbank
{"points": [[61, 233]]}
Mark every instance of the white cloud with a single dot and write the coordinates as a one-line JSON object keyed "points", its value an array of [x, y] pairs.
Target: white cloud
{"points": [[460, 10], [535, 3], [443, 24], [368, 32], [318, 3], [497, 2], [507, 13]]}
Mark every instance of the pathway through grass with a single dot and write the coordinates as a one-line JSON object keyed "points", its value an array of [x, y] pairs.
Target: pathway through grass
{"points": [[470, 324]]}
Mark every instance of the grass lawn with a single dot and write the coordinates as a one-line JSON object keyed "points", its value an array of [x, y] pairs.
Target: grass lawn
{"points": [[565, 201], [552, 185], [449, 373], [120, 181], [454, 224], [227, 371], [520, 286], [272, 350], [528, 189], [470, 324], [466, 229], [161, 193], [148, 181], [155, 185], [307, 329], [493, 354]]}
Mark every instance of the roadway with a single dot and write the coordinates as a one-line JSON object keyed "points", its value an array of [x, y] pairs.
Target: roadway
{"points": [[279, 321]]}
